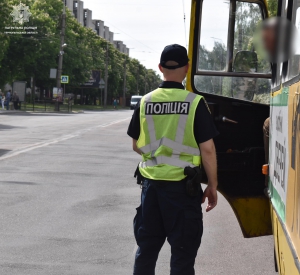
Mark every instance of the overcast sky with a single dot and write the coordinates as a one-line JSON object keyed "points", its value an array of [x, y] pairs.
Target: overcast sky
{"points": [[146, 26]]}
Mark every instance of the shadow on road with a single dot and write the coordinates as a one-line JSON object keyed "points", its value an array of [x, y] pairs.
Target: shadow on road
{"points": [[8, 127], [3, 152]]}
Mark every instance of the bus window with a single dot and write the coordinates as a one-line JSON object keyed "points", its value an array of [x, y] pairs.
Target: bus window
{"points": [[226, 38], [213, 40], [294, 64], [248, 17], [251, 89]]}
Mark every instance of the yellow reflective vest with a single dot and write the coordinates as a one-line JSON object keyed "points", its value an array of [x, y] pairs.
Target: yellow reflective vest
{"points": [[167, 140]]}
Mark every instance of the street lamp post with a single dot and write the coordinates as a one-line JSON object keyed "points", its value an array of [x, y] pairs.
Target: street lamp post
{"points": [[101, 86], [106, 75], [61, 53], [124, 84], [137, 78]]}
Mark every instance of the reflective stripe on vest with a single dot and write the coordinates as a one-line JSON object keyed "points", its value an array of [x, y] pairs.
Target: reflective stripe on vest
{"points": [[177, 145], [171, 144], [165, 160]]}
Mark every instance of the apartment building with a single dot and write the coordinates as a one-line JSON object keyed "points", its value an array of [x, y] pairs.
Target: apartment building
{"points": [[84, 17], [99, 27], [87, 19]]}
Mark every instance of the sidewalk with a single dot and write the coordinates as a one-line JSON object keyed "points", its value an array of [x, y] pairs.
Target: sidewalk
{"points": [[6, 112], [13, 112], [76, 111]]}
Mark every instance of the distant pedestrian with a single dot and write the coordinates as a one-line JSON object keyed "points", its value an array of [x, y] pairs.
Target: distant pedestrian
{"points": [[2, 100], [15, 100], [115, 103], [8, 98]]}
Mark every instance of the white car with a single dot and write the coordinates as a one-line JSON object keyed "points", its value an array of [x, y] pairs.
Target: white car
{"points": [[135, 99]]}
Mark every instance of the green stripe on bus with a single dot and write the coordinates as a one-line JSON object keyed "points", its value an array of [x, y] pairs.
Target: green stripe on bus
{"points": [[281, 99], [277, 201]]}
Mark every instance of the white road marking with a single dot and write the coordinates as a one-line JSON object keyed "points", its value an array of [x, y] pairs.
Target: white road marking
{"points": [[63, 138]]}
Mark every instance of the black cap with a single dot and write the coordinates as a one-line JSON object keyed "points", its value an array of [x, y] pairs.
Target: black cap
{"points": [[174, 53]]}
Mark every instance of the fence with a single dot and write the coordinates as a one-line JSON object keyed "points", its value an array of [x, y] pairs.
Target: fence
{"points": [[48, 106]]}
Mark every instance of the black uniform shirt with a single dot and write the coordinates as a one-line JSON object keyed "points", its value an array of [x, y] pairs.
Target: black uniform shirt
{"points": [[204, 127]]}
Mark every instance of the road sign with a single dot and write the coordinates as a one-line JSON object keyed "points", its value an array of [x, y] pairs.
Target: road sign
{"points": [[93, 81], [20, 88], [64, 79], [101, 84], [53, 73]]}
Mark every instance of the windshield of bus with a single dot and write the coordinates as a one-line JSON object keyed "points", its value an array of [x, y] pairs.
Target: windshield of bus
{"points": [[226, 33]]}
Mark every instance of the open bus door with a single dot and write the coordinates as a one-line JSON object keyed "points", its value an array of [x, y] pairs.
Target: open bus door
{"points": [[235, 81]]}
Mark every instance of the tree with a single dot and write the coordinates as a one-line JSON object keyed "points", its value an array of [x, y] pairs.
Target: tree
{"points": [[32, 55], [272, 7], [4, 22], [80, 54]]}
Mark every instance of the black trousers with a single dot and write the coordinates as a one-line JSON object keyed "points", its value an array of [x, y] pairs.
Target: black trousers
{"points": [[167, 212], [16, 105]]}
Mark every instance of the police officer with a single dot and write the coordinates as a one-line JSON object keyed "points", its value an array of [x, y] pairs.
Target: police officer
{"points": [[172, 130]]}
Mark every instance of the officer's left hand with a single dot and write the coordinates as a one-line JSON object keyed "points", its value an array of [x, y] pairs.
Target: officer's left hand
{"points": [[211, 194]]}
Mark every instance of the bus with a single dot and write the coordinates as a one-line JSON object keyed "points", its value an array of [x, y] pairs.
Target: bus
{"points": [[243, 89]]}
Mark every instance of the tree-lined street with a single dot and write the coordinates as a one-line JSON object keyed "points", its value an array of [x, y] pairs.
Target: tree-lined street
{"points": [[31, 55], [68, 198]]}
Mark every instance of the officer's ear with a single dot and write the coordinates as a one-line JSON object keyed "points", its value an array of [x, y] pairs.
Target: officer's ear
{"points": [[187, 68], [160, 68]]}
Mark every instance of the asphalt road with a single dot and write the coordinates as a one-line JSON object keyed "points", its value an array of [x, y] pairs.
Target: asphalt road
{"points": [[68, 198]]}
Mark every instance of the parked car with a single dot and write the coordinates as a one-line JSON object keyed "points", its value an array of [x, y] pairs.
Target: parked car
{"points": [[135, 99]]}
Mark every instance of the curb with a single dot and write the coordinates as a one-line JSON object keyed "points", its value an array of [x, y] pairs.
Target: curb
{"points": [[37, 112]]}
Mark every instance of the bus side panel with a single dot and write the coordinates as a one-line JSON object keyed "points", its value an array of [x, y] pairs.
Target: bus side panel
{"points": [[293, 191], [284, 178], [287, 264], [275, 234]]}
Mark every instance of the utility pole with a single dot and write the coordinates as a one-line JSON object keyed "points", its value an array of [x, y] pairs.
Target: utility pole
{"points": [[106, 76], [124, 84], [61, 52]]}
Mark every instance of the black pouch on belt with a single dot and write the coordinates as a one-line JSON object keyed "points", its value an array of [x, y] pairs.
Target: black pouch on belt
{"points": [[138, 176], [194, 175]]}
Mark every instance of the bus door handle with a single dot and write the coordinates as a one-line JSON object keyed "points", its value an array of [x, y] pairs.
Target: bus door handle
{"points": [[227, 120]]}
